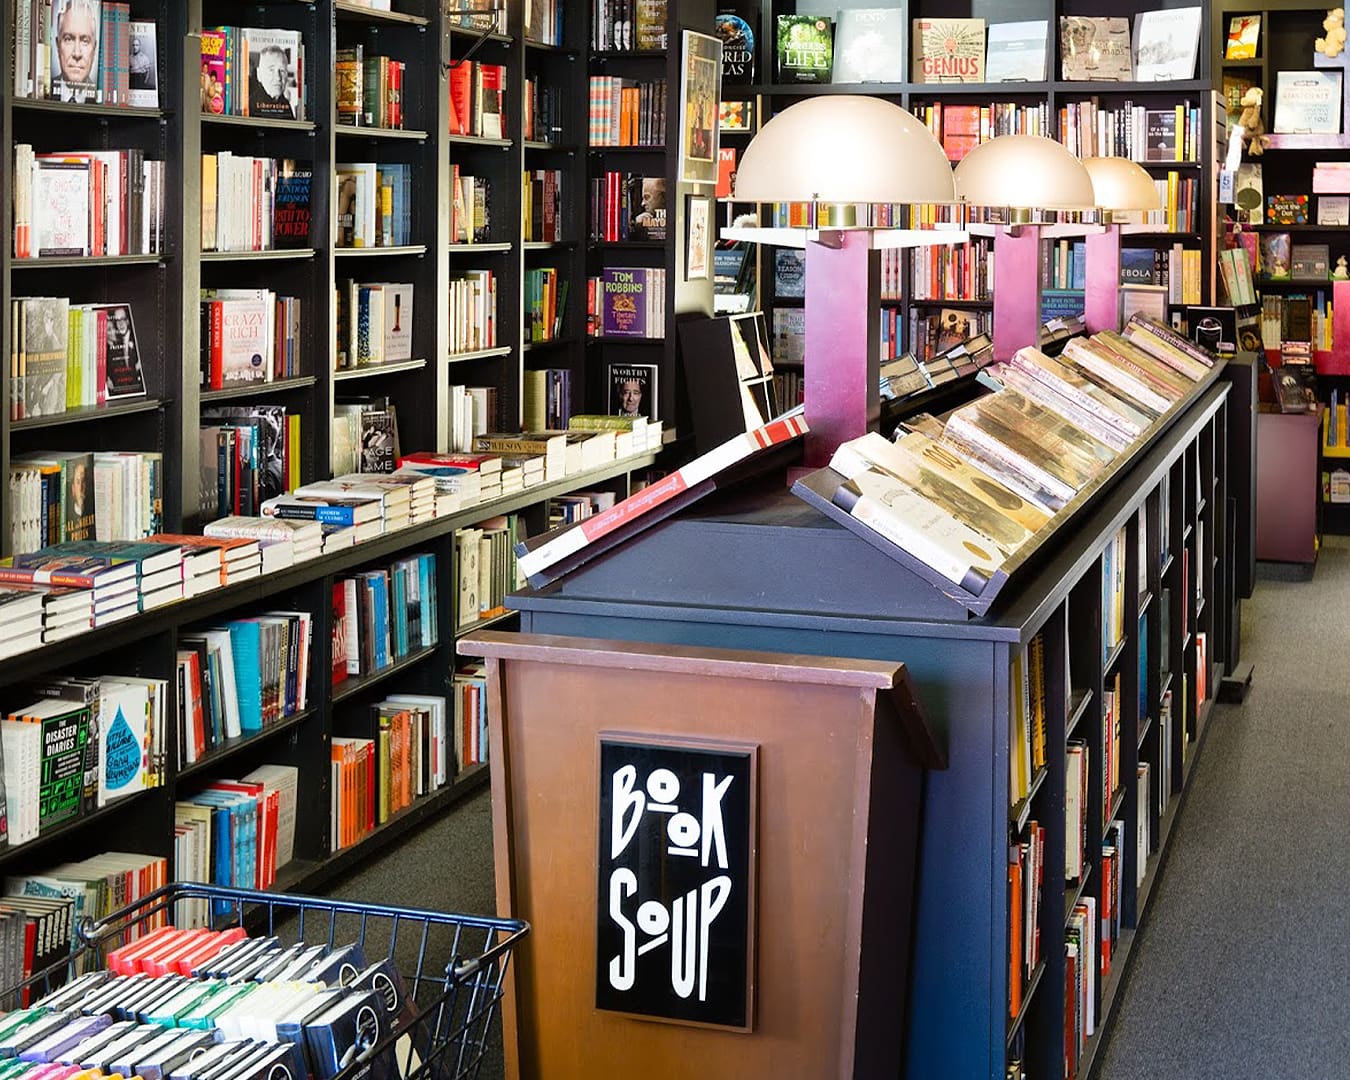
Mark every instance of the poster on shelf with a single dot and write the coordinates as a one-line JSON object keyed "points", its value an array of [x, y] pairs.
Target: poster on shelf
{"points": [[700, 91]]}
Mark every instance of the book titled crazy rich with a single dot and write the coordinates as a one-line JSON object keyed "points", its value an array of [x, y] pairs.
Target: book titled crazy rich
{"points": [[805, 48]]}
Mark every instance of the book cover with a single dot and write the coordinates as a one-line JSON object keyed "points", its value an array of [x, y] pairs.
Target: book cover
{"points": [[1166, 42], [291, 205], [143, 66], [868, 45], [123, 376], [273, 89], [646, 201], [1139, 266], [379, 441], [1244, 32], [1017, 52], [1095, 49], [1235, 85], [735, 25], [1249, 198], [789, 272], [398, 321], [73, 30], [1308, 101], [244, 351], [213, 72], [1296, 388], [632, 390], [624, 302], [948, 50], [726, 172], [789, 335], [1286, 209], [805, 48], [44, 330], [736, 115], [1160, 128]]}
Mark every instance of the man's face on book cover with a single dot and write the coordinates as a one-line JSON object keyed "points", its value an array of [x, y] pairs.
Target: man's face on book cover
{"points": [[76, 40]]}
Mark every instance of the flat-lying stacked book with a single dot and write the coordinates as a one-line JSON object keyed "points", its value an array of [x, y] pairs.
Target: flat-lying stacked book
{"points": [[112, 585], [283, 542], [967, 495], [212, 561]]}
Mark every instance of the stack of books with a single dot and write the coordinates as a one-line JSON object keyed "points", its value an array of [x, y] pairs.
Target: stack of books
{"points": [[282, 542], [212, 561], [112, 585]]}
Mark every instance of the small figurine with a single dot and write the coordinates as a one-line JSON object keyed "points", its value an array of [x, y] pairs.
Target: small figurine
{"points": [[1341, 273], [1253, 130], [1334, 42]]}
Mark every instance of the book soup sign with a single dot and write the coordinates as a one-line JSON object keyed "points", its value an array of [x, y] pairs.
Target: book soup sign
{"points": [[675, 940]]}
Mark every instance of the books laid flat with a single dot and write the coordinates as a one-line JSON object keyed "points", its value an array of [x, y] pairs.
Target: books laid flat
{"points": [[540, 553]]}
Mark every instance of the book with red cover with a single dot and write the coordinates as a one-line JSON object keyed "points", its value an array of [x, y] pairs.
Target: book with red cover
{"points": [[546, 557]]}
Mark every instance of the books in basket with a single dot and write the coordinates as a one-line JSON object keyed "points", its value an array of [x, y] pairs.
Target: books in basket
{"points": [[538, 555]]}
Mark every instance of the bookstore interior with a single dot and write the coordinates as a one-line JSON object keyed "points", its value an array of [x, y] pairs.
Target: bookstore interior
{"points": [[885, 404]]}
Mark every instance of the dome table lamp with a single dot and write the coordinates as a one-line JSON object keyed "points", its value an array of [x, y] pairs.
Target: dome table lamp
{"points": [[833, 152], [1022, 175], [1122, 190]]}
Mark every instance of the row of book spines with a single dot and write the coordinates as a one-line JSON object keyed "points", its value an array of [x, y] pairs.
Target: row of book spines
{"points": [[1027, 748], [486, 569], [545, 110], [628, 25], [241, 468], [962, 272], [473, 411], [626, 112], [1026, 876], [45, 511], [413, 747], [373, 779], [250, 341], [1276, 325], [470, 717], [374, 323], [232, 829], [478, 99], [619, 210], [960, 128], [470, 215], [1088, 130], [87, 202], [254, 203], [804, 215], [73, 354], [627, 302], [545, 303], [368, 90], [386, 615], [547, 399], [374, 204], [930, 335], [472, 311], [541, 205]]}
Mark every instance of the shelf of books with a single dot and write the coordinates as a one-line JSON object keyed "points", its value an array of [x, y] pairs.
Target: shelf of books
{"points": [[1085, 639], [1131, 83]]}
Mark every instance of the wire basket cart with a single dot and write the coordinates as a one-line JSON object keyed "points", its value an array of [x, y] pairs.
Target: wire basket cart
{"points": [[453, 966]]}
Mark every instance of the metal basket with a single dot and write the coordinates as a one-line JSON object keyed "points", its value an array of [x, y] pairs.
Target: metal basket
{"points": [[453, 966]]}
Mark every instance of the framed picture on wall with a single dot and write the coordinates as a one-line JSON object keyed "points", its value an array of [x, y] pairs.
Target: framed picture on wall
{"points": [[700, 91], [698, 223]]}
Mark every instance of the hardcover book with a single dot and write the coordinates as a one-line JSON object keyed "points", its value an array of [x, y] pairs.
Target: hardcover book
{"points": [[1017, 52], [1286, 209], [633, 390], [143, 69], [124, 376], [735, 116], [1333, 210], [805, 48], [735, 25], [1166, 42], [274, 75], [624, 302], [42, 341], [1310, 262], [1244, 31], [290, 214], [1308, 102], [789, 272], [948, 50], [1160, 127], [868, 44], [1248, 194], [1235, 86], [73, 32], [1095, 49]]}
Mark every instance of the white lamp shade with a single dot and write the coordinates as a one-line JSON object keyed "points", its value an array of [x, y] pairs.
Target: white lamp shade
{"points": [[1025, 171], [1120, 184], [844, 148]]}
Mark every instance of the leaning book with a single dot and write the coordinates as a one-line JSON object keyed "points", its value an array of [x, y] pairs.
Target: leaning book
{"points": [[948, 50]]}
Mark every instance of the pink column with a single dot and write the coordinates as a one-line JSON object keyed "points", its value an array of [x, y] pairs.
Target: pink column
{"points": [[1340, 329], [1102, 307], [843, 344], [1017, 289]]}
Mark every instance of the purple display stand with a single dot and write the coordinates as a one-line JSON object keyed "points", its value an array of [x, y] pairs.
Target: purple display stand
{"points": [[1017, 289], [1288, 486], [1101, 302], [843, 342]]}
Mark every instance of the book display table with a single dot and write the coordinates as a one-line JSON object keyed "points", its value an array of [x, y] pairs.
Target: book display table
{"points": [[758, 568]]}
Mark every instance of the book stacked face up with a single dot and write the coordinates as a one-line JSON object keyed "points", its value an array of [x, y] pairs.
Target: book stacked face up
{"points": [[212, 561], [282, 542], [963, 495], [462, 478]]}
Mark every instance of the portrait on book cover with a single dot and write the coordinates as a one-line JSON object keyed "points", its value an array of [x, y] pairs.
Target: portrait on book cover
{"points": [[124, 376], [273, 83], [632, 390], [73, 44], [700, 91]]}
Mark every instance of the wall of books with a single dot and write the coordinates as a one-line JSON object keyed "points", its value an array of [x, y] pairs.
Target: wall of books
{"points": [[1128, 80]]}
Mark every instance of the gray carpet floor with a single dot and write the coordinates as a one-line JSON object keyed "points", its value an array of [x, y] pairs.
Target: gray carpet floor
{"points": [[1240, 968], [1239, 973]]}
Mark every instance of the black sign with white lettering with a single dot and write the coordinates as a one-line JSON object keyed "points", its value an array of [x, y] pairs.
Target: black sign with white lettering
{"points": [[676, 880]]}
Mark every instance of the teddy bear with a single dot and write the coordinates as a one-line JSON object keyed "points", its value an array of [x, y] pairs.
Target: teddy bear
{"points": [[1334, 42], [1253, 130]]}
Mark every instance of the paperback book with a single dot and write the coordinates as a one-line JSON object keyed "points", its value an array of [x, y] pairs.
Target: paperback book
{"points": [[1166, 42], [1017, 52], [948, 50], [1095, 49], [735, 25], [868, 45], [1308, 102], [805, 48]]}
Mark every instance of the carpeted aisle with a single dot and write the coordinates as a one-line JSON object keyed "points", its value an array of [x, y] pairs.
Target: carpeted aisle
{"points": [[1240, 968]]}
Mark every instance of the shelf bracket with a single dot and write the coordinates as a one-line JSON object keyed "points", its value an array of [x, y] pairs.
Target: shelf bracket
{"points": [[482, 34]]}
